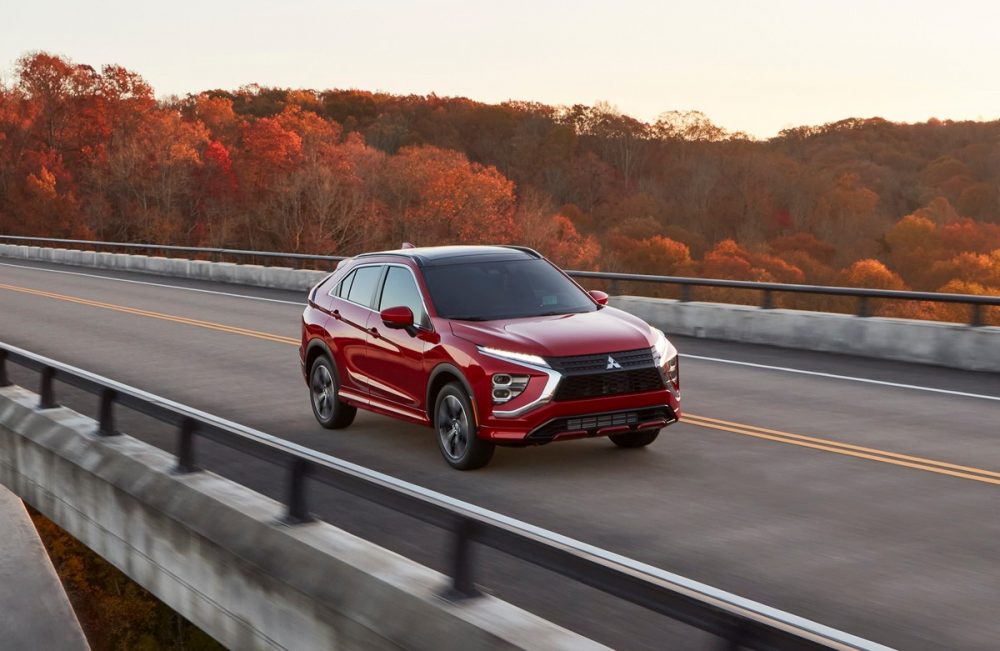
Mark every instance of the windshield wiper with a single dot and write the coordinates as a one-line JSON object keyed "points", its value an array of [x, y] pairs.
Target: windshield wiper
{"points": [[472, 318], [558, 313]]}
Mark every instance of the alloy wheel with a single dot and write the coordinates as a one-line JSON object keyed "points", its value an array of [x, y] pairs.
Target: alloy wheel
{"points": [[453, 427], [323, 391]]}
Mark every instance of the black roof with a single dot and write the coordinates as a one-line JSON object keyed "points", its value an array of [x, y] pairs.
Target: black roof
{"points": [[430, 256]]}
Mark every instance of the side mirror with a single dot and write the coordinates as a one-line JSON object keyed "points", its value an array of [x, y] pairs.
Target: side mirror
{"points": [[399, 318], [599, 296]]}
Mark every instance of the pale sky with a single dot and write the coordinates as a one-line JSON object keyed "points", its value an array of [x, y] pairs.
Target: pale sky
{"points": [[752, 66]]}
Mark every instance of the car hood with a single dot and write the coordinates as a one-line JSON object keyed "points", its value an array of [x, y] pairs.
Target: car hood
{"points": [[606, 330]]}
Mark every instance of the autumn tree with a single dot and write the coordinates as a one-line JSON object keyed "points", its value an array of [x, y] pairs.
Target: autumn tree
{"points": [[436, 196]]}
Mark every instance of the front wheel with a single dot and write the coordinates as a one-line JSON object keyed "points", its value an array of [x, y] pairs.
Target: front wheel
{"points": [[634, 439], [324, 391], [456, 430]]}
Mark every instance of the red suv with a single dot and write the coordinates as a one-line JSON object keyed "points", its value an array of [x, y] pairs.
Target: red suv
{"points": [[489, 345]]}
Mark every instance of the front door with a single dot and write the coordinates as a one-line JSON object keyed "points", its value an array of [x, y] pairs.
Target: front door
{"points": [[395, 360]]}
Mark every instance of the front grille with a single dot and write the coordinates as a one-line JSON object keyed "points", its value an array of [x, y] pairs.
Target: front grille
{"points": [[602, 420], [591, 423], [611, 383], [586, 364]]}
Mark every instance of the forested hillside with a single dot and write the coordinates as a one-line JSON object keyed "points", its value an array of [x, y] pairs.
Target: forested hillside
{"points": [[93, 154]]}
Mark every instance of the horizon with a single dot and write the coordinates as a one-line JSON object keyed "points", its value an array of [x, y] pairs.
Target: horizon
{"points": [[731, 61]]}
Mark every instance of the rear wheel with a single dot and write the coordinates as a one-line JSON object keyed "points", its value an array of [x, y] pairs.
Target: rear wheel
{"points": [[635, 439], [324, 390], [456, 430]]}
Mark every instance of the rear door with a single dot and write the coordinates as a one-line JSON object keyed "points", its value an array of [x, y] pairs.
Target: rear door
{"points": [[351, 311]]}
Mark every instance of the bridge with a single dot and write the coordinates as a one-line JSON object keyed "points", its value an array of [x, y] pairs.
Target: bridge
{"points": [[854, 491]]}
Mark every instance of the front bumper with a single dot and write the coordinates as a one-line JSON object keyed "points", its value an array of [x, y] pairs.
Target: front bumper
{"points": [[561, 420]]}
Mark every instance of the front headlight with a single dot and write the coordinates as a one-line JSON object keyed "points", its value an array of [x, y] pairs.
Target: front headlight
{"points": [[665, 356], [511, 356]]}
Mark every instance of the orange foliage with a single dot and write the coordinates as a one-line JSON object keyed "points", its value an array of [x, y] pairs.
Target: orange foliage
{"points": [[867, 202], [729, 260], [656, 255], [441, 198], [962, 313]]}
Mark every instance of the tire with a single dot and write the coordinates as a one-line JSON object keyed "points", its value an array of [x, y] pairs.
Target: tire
{"points": [[635, 439], [456, 430], [324, 388]]}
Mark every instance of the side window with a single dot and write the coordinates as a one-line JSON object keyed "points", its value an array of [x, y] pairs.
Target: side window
{"points": [[363, 286], [345, 286], [400, 289]]}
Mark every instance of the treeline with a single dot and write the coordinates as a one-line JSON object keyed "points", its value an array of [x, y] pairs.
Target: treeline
{"points": [[92, 154]]}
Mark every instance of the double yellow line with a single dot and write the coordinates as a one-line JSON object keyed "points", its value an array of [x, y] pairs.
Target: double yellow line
{"points": [[156, 315], [847, 449], [826, 445]]}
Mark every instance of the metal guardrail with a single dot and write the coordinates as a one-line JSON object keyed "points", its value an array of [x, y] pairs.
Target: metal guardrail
{"points": [[767, 290], [864, 295], [239, 253], [741, 623]]}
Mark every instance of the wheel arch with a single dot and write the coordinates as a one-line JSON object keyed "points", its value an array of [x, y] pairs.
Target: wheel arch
{"points": [[443, 374], [316, 348]]}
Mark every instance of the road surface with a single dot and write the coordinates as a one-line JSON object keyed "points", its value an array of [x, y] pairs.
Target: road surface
{"points": [[861, 494]]}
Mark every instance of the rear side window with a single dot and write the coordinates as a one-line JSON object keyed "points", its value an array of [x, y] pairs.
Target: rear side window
{"points": [[344, 288], [401, 290], [362, 287]]}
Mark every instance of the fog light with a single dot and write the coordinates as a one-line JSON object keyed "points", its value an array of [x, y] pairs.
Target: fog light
{"points": [[507, 387]]}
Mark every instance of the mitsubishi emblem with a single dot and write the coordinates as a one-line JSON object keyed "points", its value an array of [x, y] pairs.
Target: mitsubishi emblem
{"points": [[612, 364]]}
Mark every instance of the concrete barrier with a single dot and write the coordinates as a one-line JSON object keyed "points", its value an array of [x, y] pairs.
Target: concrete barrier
{"points": [[226, 272], [928, 342], [943, 344], [217, 553]]}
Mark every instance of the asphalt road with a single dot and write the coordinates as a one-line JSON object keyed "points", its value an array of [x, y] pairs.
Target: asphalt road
{"points": [[810, 482]]}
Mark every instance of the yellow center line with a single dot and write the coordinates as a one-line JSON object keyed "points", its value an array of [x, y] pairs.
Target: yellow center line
{"points": [[975, 474], [705, 421], [847, 449], [211, 325]]}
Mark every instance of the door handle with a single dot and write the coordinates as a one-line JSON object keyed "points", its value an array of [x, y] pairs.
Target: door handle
{"points": [[374, 332], [336, 314]]}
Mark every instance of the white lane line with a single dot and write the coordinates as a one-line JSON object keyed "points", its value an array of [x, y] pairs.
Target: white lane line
{"points": [[142, 282], [845, 377]]}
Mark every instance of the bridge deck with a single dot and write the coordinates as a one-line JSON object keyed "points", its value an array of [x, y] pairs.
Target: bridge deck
{"points": [[900, 551]]}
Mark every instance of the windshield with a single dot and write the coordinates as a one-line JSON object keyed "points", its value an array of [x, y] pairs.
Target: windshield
{"points": [[511, 289]]}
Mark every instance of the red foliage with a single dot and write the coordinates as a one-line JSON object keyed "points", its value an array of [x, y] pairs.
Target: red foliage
{"points": [[93, 153]]}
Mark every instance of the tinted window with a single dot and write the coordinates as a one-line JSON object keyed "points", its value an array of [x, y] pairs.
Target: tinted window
{"points": [[345, 285], [510, 289], [363, 287], [401, 289]]}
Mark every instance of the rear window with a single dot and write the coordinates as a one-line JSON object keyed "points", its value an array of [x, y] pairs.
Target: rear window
{"points": [[510, 289], [344, 288]]}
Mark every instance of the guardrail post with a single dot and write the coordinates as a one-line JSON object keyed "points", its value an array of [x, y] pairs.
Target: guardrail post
{"points": [[463, 586], [106, 417], [685, 293], [767, 300], [4, 378], [185, 447], [298, 508], [863, 306], [975, 321], [615, 288], [47, 395]]}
